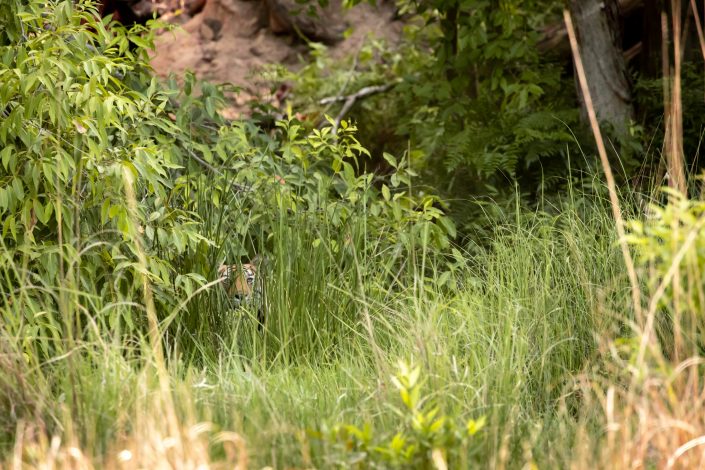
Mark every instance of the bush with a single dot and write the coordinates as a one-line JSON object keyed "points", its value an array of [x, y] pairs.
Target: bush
{"points": [[426, 439], [85, 126], [470, 95]]}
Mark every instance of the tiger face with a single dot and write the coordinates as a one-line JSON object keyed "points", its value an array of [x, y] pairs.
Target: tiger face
{"points": [[238, 281], [243, 286]]}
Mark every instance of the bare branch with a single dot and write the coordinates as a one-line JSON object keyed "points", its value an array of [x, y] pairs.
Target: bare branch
{"points": [[351, 99]]}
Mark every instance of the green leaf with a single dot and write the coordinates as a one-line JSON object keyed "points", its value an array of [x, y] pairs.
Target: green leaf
{"points": [[391, 159], [4, 200], [18, 189], [448, 225], [6, 155]]}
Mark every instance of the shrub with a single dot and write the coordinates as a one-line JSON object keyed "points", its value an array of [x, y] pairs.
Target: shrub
{"points": [[85, 124], [426, 439]]}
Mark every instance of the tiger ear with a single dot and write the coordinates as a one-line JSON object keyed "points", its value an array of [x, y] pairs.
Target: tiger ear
{"points": [[222, 269], [258, 260]]}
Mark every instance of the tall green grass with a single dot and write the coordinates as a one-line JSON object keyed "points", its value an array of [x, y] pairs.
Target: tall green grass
{"points": [[501, 334]]}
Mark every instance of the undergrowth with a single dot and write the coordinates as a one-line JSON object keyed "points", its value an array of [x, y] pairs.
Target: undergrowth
{"points": [[385, 343]]}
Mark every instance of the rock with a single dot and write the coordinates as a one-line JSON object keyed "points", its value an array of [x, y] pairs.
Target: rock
{"points": [[210, 29], [144, 9], [194, 6], [310, 20], [236, 17], [208, 54]]}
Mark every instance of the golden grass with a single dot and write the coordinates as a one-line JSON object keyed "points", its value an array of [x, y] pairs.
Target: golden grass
{"points": [[652, 407], [145, 446], [657, 423]]}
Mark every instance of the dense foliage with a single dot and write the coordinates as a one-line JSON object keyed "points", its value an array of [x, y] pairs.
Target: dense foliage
{"points": [[473, 97], [486, 106], [12, 28], [483, 97], [384, 344], [83, 119]]}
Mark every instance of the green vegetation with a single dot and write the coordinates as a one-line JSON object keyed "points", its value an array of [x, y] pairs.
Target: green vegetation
{"points": [[386, 342], [470, 97]]}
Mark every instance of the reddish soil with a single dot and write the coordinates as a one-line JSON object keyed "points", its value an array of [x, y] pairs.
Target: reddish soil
{"points": [[229, 40]]}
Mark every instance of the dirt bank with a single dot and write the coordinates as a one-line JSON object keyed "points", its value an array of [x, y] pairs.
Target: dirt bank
{"points": [[228, 40]]}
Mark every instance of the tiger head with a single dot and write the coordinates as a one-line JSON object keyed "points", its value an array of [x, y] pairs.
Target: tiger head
{"points": [[240, 280]]}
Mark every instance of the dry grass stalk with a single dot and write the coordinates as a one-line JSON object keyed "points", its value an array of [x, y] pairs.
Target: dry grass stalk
{"points": [[661, 425], [676, 160], [676, 163], [147, 446], [153, 322], [609, 177], [666, 75], [674, 106], [698, 27]]}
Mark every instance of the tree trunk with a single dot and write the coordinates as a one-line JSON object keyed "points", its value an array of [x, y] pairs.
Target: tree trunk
{"points": [[597, 25]]}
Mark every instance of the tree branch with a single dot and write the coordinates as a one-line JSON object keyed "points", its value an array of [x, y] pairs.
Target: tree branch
{"points": [[351, 99]]}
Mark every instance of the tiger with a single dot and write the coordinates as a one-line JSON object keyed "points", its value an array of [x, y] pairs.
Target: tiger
{"points": [[243, 286]]}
